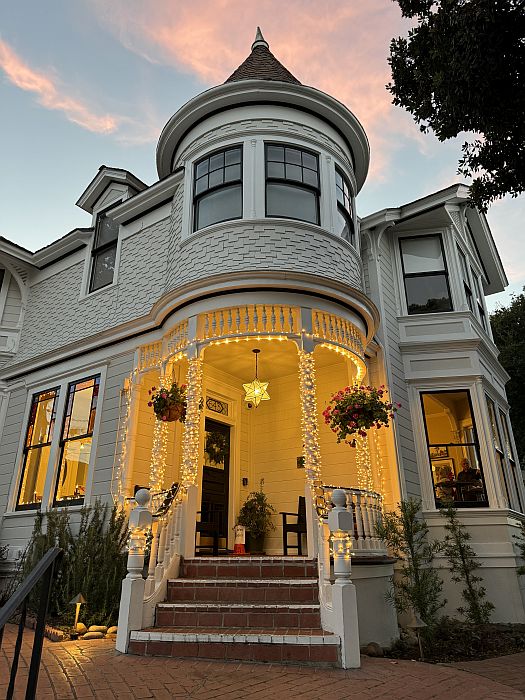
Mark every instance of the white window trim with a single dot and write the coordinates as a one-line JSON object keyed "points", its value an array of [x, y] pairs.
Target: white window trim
{"points": [[61, 382], [4, 289]]}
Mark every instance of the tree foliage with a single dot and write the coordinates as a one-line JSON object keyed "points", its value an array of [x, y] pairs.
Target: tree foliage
{"points": [[508, 328], [419, 586], [463, 565], [462, 69]]}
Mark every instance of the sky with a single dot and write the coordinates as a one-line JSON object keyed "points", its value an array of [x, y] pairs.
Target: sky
{"points": [[93, 82]]}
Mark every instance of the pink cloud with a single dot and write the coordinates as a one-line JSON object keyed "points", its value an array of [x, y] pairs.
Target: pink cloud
{"points": [[340, 48], [52, 96]]}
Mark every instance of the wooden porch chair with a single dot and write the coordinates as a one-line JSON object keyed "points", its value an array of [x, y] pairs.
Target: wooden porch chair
{"points": [[299, 528]]}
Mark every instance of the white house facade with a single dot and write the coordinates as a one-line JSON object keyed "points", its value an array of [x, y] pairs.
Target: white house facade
{"points": [[250, 241]]}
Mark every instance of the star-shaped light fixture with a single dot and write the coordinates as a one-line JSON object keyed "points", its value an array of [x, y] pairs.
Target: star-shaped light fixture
{"points": [[256, 390]]}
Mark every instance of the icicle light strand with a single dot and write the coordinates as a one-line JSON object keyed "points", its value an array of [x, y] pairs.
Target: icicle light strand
{"points": [[190, 438]]}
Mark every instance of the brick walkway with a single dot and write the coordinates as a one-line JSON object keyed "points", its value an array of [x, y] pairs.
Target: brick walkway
{"points": [[94, 669]]}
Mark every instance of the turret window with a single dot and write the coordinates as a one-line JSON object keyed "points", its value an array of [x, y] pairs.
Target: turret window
{"points": [[217, 193], [345, 219], [292, 183]]}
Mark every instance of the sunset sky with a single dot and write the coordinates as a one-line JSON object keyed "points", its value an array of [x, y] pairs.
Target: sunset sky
{"points": [[93, 82]]}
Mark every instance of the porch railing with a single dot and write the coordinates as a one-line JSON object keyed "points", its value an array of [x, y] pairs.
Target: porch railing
{"points": [[249, 320], [367, 509]]}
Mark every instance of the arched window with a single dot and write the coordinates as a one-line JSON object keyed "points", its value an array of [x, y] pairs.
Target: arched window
{"points": [[292, 183], [345, 217], [217, 190]]}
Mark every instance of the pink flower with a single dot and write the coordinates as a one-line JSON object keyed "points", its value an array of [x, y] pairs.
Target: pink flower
{"points": [[164, 395], [355, 415], [150, 403], [164, 417], [153, 388]]}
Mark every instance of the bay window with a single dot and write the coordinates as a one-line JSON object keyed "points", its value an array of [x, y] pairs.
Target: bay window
{"points": [[425, 274], [498, 449], [292, 183], [467, 287], [509, 452], [453, 449], [217, 188], [37, 446]]}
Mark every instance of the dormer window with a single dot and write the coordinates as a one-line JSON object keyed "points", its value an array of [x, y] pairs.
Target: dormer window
{"points": [[104, 252], [217, 191], [425, 275], [292, 183], [345, 219]]}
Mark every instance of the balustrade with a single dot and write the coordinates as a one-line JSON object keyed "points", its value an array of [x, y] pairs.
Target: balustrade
{"points": [[336, 330], [249, 320], [367, 509]]}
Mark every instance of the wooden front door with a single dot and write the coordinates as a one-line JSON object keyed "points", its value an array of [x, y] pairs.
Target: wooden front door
{"points": [[215, 476]]}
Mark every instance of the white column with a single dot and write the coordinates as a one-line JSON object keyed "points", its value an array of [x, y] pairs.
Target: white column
{"points": [[190, 436]]}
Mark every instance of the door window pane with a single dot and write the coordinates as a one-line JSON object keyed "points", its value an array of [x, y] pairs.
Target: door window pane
{"points": [[291, 202], [427, 294], [453, 449], [422, 254], [36, 449]]}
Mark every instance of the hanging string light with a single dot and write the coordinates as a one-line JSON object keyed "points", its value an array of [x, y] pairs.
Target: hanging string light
{"points": [[190, 438], [256, 390], [380, 473], [364, 468], [120, 456]]}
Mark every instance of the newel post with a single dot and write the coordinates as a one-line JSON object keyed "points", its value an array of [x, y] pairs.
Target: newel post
{"points": [[133, 586], [344, 598]]}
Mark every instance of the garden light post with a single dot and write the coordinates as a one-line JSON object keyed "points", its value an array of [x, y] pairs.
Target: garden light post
{"points": [[77, 601]]}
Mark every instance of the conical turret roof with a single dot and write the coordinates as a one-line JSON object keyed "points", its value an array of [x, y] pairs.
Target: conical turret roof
{"points": [[261, 64]]}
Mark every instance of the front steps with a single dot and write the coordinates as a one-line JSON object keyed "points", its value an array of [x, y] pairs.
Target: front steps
{"points": [[244, 609]]}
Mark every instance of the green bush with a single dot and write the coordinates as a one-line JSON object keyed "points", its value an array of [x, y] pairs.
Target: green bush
{"points": [[94, 562]]}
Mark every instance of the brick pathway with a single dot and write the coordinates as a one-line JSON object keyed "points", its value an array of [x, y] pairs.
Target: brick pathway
{"points": [[94, 669]]}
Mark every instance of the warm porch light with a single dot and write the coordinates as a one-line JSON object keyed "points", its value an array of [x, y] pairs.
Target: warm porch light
{"points": [[256, 390]]}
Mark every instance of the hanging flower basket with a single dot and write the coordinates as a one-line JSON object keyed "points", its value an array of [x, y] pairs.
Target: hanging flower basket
{"points": [[169, 403], [355, 409]]}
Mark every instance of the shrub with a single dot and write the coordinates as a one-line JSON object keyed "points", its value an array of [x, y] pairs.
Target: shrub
{"points": [[463, 563], [419, 587], [520, 541], [94, 562]]}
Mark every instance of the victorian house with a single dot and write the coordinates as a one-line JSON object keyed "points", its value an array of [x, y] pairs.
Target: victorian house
{"points": [[247, 260]]}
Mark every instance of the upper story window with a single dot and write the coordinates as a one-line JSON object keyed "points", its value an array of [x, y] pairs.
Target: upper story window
{"points": [[466, 280], [292, 183], [498, 448], [479, 301], [453, 449], [104, 252], [345, 219], [75, 441], [37, 447], [504, 420], [425, 274], [217, 189]]}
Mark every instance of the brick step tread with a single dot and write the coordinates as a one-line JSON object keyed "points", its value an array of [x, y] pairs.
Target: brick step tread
{"points": [[283, 635], [270, 607], [251, 558], [248, 582], [241, 615], [242, 591], [249, 567]]}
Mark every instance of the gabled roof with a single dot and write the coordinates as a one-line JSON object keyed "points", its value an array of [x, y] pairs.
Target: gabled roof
{"points": [[261, 64]]}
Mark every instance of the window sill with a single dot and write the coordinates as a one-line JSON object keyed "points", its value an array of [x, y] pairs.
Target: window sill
{"points": [[34, 511], [89, 295]]}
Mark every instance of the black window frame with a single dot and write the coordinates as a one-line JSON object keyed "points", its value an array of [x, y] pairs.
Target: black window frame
{"points": [[412, 275], [292, 183], [498, 445], [467, 284], [98, 250], [63, 441], [509, 453], [197, 197], [36, 505], [474, 445], [347, 214], [478, 297]]}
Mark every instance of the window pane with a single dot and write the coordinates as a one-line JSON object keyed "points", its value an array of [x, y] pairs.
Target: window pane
{"points": [[218, 206], [427, 294], [107, 231], [309, 161], [493, 424], [289, 201], [294, 172], [344, 226], [34, 476], [217, 161], [202, 168], [456, 468], [216, 178], [232, 172], [506, 435], [201, 184], [310, 178], [293, 155], [422, 254], [233, 156], [41, 419], [275, 153], [463, 264], [73, 470], [78, 419], [103, 268], [276, 170]]}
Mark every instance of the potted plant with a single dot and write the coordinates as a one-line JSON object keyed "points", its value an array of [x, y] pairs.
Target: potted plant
{"points": [[355, 409], [256, 516], [169, 403]]}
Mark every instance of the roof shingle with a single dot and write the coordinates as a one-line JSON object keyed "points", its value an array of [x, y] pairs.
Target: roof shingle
{"points": [[261, 64]]}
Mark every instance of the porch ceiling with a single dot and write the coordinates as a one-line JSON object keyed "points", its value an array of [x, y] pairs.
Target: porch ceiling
{"points": [[276, 359]]}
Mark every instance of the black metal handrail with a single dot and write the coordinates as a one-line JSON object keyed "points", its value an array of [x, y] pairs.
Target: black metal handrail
{"points": [[18, 600]]}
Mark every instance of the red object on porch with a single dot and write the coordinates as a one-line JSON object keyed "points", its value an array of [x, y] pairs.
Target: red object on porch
{"points": [[239, 549]]}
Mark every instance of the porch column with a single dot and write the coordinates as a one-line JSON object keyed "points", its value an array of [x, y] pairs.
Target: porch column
{"points": [[310, 429], [190, 436]]}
